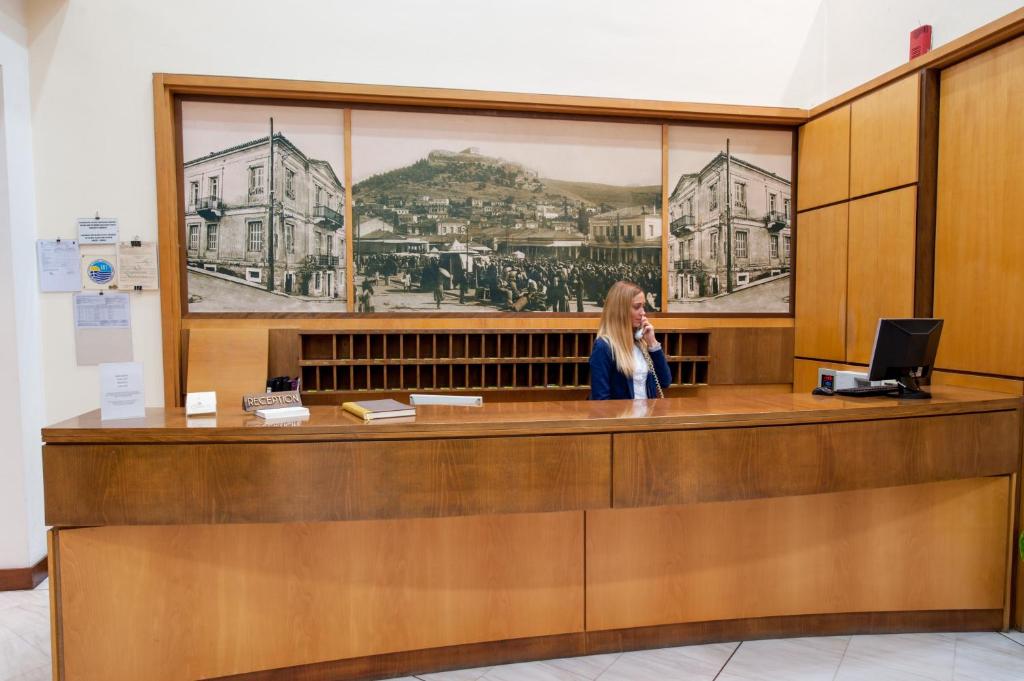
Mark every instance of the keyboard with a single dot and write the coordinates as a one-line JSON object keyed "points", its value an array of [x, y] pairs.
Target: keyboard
{"points": [[868, 391]]}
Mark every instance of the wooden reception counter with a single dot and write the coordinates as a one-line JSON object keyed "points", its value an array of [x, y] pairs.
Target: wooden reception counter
{"points": [[338, 549]]}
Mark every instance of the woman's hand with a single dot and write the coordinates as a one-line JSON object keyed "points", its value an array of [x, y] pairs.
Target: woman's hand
{"points": [[648, 332]]}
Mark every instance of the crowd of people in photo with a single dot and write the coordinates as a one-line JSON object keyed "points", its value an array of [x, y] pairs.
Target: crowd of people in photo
{"points": [[507, 282]]}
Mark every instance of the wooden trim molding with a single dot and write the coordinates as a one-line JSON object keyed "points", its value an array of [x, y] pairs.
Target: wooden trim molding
{"points": [[393, 95], [169, 209], [23, 579], [927, 193], [620, 640]]}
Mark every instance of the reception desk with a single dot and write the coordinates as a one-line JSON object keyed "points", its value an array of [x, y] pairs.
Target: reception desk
{"points": [[338, 549]]}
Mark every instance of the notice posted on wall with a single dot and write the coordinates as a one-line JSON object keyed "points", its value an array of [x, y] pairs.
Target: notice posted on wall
{"points": [[103, 330], [97, 230], [59, 265], [137, 266], [107, 311]]}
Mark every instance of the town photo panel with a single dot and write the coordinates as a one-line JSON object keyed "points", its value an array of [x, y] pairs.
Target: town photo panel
{"points": [[475, 213], [455, 212], [730, 215], [264, 228]]}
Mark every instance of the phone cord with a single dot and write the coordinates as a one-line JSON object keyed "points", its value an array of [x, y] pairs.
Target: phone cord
{"points": [[650, 367]]}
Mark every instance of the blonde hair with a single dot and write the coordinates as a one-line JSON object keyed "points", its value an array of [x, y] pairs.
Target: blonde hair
{"points": [[617, 324]]}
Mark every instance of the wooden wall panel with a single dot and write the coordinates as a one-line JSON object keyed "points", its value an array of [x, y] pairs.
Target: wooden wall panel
{"points": [[230, 361], [989, 383], [979, 279], [923, 547], [750, 356], [318, 481], [823, 162], [884, 138], [821, 271], [880, 279], [805, 372], [742, 390], [199, 601]]}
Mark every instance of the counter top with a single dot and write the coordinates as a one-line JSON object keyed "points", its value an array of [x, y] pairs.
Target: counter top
{"points": [[327, 423]]}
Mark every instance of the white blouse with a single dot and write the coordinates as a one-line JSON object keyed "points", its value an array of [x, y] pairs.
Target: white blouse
{"points": [[640, 372]]}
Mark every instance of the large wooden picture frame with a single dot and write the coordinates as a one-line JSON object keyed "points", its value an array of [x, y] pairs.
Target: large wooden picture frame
{"points": [[171, 90]]}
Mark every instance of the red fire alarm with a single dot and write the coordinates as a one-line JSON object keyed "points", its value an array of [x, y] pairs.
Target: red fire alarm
{"points": [[920, 41]]}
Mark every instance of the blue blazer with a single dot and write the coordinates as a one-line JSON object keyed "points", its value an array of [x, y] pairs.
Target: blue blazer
{"points": [[608, 383]]}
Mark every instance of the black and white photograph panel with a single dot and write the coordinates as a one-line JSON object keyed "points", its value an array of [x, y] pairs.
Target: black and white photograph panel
{"points": [[730, 212], [465, 213], [264, 207]]}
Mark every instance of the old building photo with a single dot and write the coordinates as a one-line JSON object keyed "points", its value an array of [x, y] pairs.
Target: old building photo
{"points": [[264, 202], [484, 213], [730, 214]]}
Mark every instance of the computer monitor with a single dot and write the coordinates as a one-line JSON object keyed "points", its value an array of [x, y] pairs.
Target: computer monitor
{"points": [[905, 351]]}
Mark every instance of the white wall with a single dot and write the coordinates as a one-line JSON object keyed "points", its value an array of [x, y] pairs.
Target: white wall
{"points": [[22, 537], [866, 38]]}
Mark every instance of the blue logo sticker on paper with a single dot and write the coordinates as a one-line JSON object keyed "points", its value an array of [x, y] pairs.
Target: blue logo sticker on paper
{"points": [[100, 271]]}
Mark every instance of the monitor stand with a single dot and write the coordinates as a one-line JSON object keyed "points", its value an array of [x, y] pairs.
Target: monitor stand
{"points": [[910, 389]]}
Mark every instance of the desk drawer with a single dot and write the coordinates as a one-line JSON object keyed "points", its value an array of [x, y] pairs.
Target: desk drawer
{"points": [[319, 481], [722, 464]]}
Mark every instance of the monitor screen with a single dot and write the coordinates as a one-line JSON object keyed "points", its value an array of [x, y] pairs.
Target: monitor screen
{"points": [[904, 349]]}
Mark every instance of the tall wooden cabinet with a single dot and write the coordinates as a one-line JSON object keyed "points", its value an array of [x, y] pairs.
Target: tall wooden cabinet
{"points": [[857, 196], [979, 246]]}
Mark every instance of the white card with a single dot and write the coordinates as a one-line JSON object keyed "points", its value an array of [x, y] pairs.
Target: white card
{"points": [[121, 392], [200, 403]]}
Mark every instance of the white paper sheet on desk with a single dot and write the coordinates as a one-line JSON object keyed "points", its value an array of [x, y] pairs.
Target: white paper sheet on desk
{"points": [[121, 392], [59, 265]]}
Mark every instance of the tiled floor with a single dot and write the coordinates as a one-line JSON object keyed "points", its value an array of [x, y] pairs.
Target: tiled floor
{"points": [[25, 656], [25, 635]]}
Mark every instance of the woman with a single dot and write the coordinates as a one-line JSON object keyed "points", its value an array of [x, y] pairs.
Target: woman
{"points": [[619, 368]]}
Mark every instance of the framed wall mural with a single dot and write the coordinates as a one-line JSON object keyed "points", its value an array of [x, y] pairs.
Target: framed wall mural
{"points": [[264, 206], [730, 220], [464, 213]]}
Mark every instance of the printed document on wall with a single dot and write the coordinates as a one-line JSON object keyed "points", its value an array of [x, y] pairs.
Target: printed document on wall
{"points": [[59, 265], [136, 266], [97, 230], [103, 328]]}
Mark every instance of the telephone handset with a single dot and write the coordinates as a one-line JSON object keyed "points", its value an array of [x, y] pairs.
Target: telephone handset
{"points": [[639, 333]]}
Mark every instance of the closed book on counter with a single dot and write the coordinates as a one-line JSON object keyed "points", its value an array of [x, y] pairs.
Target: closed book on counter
{"points": [[378, 409]]}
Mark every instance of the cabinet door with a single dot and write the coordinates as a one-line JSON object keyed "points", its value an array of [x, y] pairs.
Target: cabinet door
{"points": [[884, 138], [824, 160], [881, 266], [821, 281], [979, 244]]}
